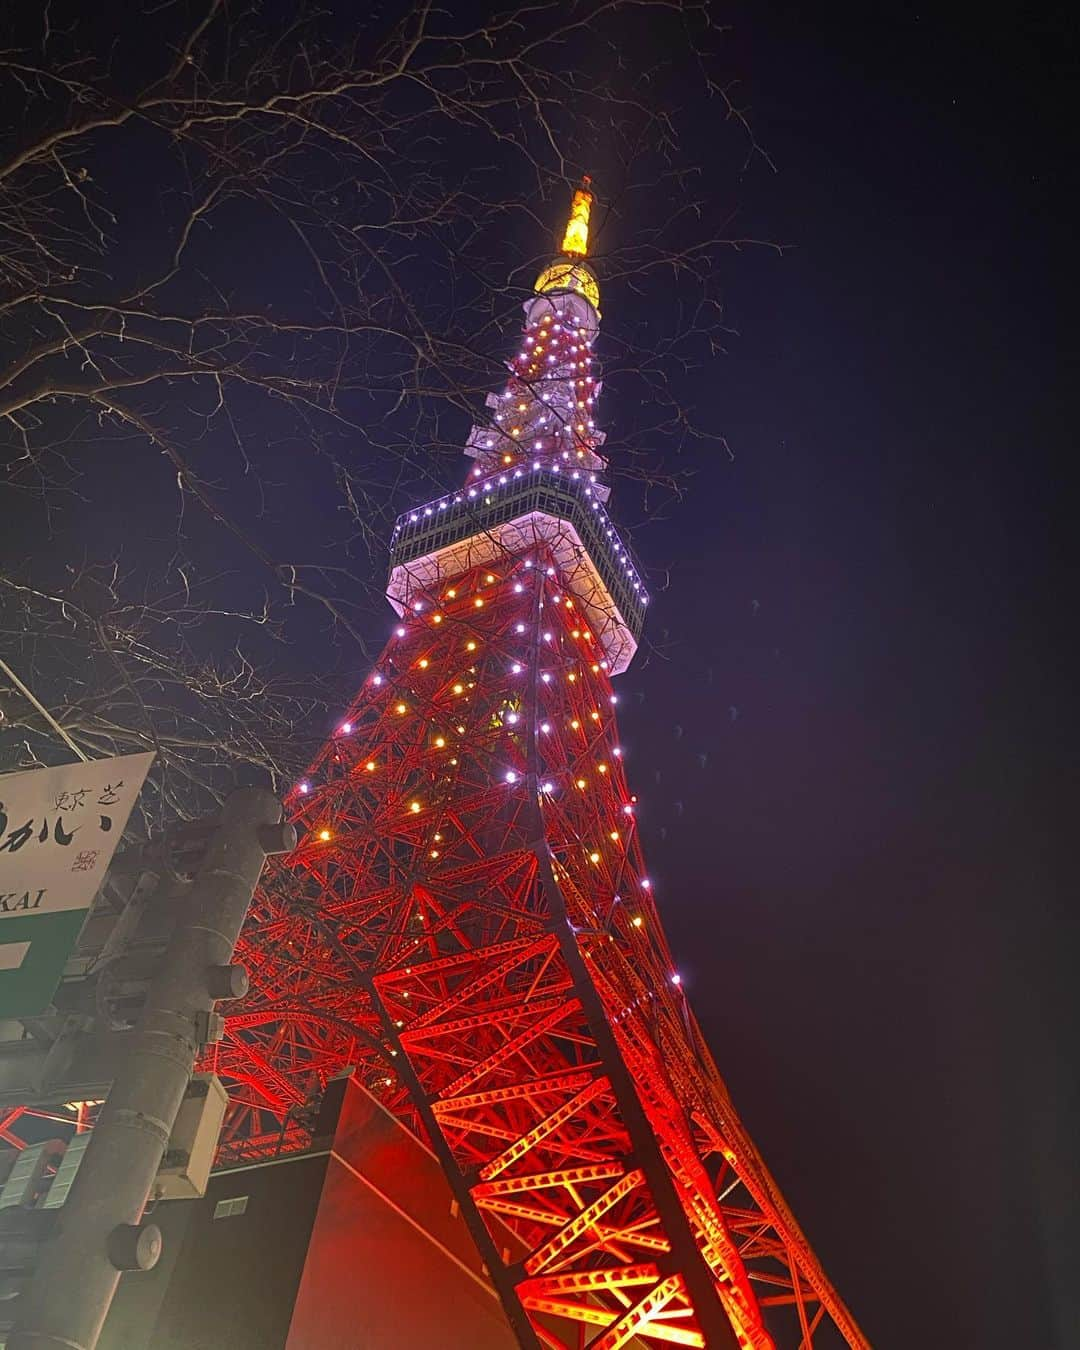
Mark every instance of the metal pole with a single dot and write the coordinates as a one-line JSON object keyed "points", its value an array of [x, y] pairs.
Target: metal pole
{"points": [[99, 1231]]}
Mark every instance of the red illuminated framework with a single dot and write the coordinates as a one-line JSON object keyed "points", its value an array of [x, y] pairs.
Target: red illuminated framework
{"points": [[468, 923]]}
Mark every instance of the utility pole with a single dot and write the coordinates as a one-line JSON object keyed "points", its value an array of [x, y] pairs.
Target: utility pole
{"points": [[100, 1230]]}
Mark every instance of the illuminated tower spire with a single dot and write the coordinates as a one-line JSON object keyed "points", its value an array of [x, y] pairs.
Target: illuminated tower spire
{"points": [[546, 411], [468, 924], [575, 242]]}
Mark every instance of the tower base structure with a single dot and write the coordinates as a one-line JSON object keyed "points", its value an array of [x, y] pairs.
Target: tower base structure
{"points": [[352, 1244]]}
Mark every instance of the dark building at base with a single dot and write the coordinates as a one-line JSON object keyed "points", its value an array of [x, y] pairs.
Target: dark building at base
{"points": [[355, 1244]]}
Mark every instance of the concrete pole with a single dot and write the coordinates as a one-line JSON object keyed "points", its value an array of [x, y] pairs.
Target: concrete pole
{"points": [[99, 1230]]}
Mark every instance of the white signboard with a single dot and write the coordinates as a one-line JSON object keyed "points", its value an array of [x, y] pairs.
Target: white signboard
{"points": [[59, 829]]}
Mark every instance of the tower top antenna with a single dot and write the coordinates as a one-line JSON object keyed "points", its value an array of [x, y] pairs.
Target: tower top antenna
{"points": [[575, 243]]}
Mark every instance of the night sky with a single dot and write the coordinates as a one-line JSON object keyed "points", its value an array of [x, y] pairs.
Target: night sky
{"points": [[849, 727], [865, 881]]}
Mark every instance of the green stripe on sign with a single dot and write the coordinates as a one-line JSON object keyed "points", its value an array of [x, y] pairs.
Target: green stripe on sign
{"points": [[33, 951]]}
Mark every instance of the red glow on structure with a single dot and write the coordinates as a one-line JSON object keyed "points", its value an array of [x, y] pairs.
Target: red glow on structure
{"points": [[467, 923]]}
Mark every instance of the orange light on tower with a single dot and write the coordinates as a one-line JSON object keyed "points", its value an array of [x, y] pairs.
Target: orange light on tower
{"points": [[575, 242]]}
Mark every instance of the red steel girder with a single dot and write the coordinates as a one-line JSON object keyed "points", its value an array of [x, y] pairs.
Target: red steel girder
{"points": [[467, 926], [469, 897]]}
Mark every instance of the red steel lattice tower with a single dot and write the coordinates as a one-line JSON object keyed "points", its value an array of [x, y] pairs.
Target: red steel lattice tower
{"points": [[468, 922]]}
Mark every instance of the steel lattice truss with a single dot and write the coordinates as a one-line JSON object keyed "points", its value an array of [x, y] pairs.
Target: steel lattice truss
{"points": [[467, 922], [467, 925]]}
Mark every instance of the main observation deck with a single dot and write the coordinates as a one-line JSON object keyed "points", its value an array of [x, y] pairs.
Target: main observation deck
{"points": [[508, 515]]}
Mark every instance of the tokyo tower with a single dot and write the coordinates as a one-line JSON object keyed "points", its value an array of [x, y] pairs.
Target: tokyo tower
{"points": [[468, 924]]}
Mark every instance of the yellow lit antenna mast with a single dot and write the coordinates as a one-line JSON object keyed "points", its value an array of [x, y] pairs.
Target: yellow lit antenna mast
{"points": [[569, 271], [575, 242]]}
